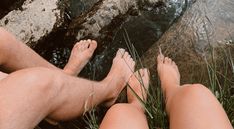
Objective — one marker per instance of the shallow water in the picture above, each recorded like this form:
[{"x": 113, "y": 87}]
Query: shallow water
[{"x": 143, "y": 29}]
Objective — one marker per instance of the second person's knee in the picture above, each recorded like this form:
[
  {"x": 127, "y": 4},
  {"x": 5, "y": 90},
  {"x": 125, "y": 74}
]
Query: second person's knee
[
  {"x": 191, "y": 92},
  {"x": 43, "y": 79},
  {"x": 195, "y": 90}
]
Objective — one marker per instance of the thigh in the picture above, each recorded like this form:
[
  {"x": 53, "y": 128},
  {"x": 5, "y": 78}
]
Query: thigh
[
  {"x": 195, "y": 107},
  {"x": 116, "y": 118}
]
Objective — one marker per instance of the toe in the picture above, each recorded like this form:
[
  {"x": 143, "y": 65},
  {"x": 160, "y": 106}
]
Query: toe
[
  {"x": 170, "y": 61},
  {"x": 79, "y": 45},
  {"x": 89, "y": 40},
  {"x": 174, "y": 64},
  {"x": 160, "y": 59},
  {"x": 86, "y": 44},
  {"x": 93, "y": 45},
  {"x": 167, "y": 60},
  {"x": 129, "y": 58},
  {"x": 126, "y": 55},
  {"x": 133, "y": 63},
  {"x": 76, "y": 45},
  {"x": 141, "y": 72},
  {"x": 146, "y": 75},
  {"x": 120, "y": 53},
  {"x": 83, "y": 45}
]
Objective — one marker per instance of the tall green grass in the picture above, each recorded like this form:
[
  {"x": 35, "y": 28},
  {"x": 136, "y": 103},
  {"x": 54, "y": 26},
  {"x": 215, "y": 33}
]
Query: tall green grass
[
  {"x": 220, "y": 72},
  {"x": 221, "y": 78}
]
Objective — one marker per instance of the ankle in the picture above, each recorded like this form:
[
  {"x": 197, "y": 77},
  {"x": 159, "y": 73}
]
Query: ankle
[
  {"x": 107, "y": 93},
  {"x": 69, "y": 71},
  {"x": 169, "y": 95}
]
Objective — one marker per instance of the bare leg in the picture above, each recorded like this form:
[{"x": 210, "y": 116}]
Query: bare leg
[
  {"x": 2, "y": 75},
  {"x": 80, "y": 55},
  {"x": 190, "y": 106},
  {"x": 130, "y": 115},
  {"x": 16, "y": 55},
  {"x": 29, "y": 95}
]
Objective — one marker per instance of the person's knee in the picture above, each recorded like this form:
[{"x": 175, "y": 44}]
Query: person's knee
[
  {"x": 195, "y": 90},
  {"x": 117, "y": 114},
  {"x": 188, "y": 93},
  {"x": 44, "y": 79},
  {"x": 117, "y": 108},
  {"x": 122, "y": 108}
]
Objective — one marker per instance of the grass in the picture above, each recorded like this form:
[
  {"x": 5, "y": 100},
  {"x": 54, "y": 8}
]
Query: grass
[
  {"x": 221, "y": 78},
  {"x": 220, "y": 72}
]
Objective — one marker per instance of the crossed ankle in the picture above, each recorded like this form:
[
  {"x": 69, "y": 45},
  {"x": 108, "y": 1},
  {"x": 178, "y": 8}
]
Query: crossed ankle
[{"x": 70, "y": 71}]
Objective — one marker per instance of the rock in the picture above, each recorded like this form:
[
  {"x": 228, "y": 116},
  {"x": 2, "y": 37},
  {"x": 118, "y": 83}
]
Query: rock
[
  {"x": 101, "y": 15},
  {"x": 207, "y": 23},
  {"x": 35, "y": 20},
  {"x": 81, "y": 6}
]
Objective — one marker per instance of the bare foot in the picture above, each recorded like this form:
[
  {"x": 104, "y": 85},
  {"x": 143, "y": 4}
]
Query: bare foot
[
  {"x": 169, "y": 75},
  {"x": 80, "y": 55},
  {"x": 121, "y": 70},
  {"x": 139, "y": 83}
]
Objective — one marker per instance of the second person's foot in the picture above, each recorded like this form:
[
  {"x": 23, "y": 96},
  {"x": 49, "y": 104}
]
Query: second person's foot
[
  {"x": 121, "y": 70},
  {"x": 139, "y": 84},
  {"x": 80, "y": 55},
  {"x": 169, "y": 75}
]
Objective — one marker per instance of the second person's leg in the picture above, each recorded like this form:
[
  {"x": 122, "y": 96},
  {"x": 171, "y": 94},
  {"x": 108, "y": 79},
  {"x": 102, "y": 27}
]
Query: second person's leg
[
  {"x": 130, "y": 115},
  {"x": 15, "y": 55},
  {"x": 29, "y": 95},
  {"x": 190, "y": 106}
]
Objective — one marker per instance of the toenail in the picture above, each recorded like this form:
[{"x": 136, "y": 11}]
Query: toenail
[{"x": 121, "y": 49}]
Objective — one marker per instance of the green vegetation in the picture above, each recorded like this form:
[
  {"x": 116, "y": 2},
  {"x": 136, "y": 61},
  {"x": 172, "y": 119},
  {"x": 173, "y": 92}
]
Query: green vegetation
[
  {"x": 219, "y": 64},
  {"x": 220, "y": 72}
]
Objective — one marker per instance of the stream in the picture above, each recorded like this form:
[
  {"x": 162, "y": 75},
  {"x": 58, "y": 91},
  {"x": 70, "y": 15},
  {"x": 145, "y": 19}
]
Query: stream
[{"x": 143, "y": 28}]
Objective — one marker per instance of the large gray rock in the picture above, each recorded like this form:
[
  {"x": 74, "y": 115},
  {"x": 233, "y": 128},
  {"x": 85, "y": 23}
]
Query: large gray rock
[
  {"x": 35, "y": 20},
  {"x": 101, "y": 15},
  {"x": 207, "y": 23}
]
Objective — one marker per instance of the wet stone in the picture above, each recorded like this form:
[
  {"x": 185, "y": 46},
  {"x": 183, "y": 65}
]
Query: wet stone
[{"x": 34, "y": 21}]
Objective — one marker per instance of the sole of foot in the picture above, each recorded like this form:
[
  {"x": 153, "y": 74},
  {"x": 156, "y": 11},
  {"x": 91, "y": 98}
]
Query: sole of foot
[
  {"x": 122, "y": 68},
  {"x": 80, "y": 55},
  {"x": 138, "y": 88}
]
